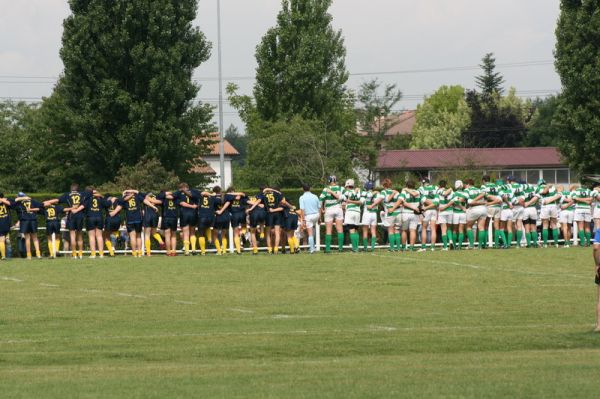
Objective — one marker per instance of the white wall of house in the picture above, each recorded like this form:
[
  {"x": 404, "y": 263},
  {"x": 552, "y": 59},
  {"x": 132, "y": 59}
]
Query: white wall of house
[{"x": 214, "y": 162}]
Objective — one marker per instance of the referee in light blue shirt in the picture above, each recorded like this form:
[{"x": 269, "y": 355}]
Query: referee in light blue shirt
[{"x": 310, "y": 207}]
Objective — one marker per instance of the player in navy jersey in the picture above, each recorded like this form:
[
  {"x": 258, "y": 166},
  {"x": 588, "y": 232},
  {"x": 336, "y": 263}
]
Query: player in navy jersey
[
  {"x": 151, "y": 214},
  {"x": 28, "y": 209},
  {"x": 131, "y": 202},
  {"x": 188, "y": 205},
  {"x": 112, "y": 224},
  {"x": 170, "y": 214},
  {"x": 222, "y": 219},
  {"x": 5, "y": 206},
  {"x": 239, "y": 202},
  {"x": 291, "y": 221},
  {"x": 53, "y": 213},
  {"x": 94, "y": 205},
  {"x": 258, "y": 216},
  {"x": 74, "y": 200},
  {"x": 206, "y": 218},
  {"x": 274, "y": 207}
]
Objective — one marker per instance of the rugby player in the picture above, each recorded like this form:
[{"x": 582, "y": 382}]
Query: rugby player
[
  {"x": 188, "y": 204},
  {"x": 52, "y": 214},
  {"x": 445, "y": 213},
  {"x": 74, "y": 200},
  {"x": 222, "y": 219},
  {"x": 112, "y": 223},
  {"x": 28, "y": 209},
  {"x": 582, "y": 197},
  {"x": 331, "y": 205},
  {"x": 274, "y": 204},
  {"x": 429, "y": 203},
  {"x": 352, "y": 199},
  {"x": 411, "y": 200},
  {"x": 549, "y": 199},
  {"x": 169, "y": 217},
  {"x": 5, "y": 224},
  {"x": 393, "y": 217},
  {"x": 131, "y": 201},
  {"x": 258, "y": 217},
  {"x": 566, "y": 214},
  {"x": 94, "y": 205},
  {"x": 459, "y": 214},
  {"x": 150, "y": 222},
  {"x": 371, "y": 200}
]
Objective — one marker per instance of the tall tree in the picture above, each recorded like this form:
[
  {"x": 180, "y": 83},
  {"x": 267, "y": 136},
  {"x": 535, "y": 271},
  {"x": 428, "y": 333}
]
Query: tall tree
[
  {"x": 373, "y": 116},
  {"x": 441, "y": 119},
  {"x": 542, "y": 131},
  {"x": 127, "y": 89},
  {"x": 578, "y": 64},
  {"x": 489, "y": 82}
]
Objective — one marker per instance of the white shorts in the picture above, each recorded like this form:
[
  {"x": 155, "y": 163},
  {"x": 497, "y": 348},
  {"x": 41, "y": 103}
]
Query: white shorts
[
  {"x": 493, "y": 212},
  {"x": 352, "y": 218},
  {"x": 518, "y": 212},
  {"x": 530, "y": 214},
  {"x": 410, "y": 221},
  {"x": 506, "y": 215},
  {"x": 445, "y": 218},
  {"x": 459, "y": 218},
  {"x": 596, "y": 213},
  {"x": 334, "y": 213},
  {"x": 430, "y": 215},
  {"x": 311, "y": 220},
  {"x": 476, "y": 213},
  {"x": 549, "y": 212},
  {"x": 582, "y": 215},
  {"x": 390, "y": 221},
  {"x": 566, "y": 217},
  {"x": 369, "y": 218}
]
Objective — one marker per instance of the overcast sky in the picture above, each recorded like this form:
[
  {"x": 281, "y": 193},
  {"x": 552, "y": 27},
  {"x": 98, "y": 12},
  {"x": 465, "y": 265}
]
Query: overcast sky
[{"x": 380, "y": 35}]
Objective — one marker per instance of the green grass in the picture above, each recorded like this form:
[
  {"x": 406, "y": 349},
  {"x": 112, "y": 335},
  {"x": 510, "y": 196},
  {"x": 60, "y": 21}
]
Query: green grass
[{"x": 471, "y": 324}]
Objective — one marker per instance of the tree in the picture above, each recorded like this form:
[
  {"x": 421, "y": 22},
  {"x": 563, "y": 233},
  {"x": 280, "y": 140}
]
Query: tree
[
  {"x": 301, "y": 66},
  {"x": 127, "y": 89},
  {"x": 541, "y": 130},
  {"x": 441, "y": 119},
  {"x": 147, "y": 175},
  {"x": 373, "y": 117},
  {"x": 240, "y": 142},
  {"x": 490, "y": 82},
  {"x": 577, "y": 62}
]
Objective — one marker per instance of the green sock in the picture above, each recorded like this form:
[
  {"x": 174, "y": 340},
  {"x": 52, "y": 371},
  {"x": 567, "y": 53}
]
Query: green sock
[
  {"x": 392, "y": 240},
  {"x": 355, "y": 240},
  {"x": 398, "y": 240},
  {"x": 519, "y": 237},
  {"x": 555, "y": 235},
  {"x": 528, "y": 238},
  {"x": 588, "y": 238},
  {"x": 509, "y": 240},
  {"x": 327, "y": 243},
  {"x": 545, "y": 236},
  {"x": 461, "y": 238},
  {"x": 373, "y": 243},
  {"x": 445, "y": 240},
  {"x": 481, "y": 239},
  {"x": 423, "y": 246},
  {"x": 340, "y": 241},
  {"x": 450, "y": 235},
  {"x": 365, "y": 243},
  {"x": 471, "y": 238},
  {"x": 496, "y": 238},
  {"x": 503, "y": 237},
  {"x": 581, "y": 235},
  {"x": 534, "y": 238}
]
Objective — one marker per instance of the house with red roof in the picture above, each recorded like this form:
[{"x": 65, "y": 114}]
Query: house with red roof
[
  {"x": 527, "y": 163},
  {"x": 213, "y": 163}
]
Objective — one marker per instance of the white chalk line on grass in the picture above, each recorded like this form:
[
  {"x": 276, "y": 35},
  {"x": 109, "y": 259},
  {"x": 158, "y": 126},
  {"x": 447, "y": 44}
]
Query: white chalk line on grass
[
  {"x": 49, "y": 285},
  {"x": 240, "y": 310},
  {"x": 13, "y": 279},
  {"x": 371, "y": 329}
]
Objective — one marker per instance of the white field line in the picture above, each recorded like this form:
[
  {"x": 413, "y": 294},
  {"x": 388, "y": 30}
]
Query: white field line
[
  {"x": 367, "y": 330},
  {"x": 185, "y": 302},
  {"x": 49, "y": 285},
  {"x": 16, "y": 280},
  {"x": 240, "y": 310}
]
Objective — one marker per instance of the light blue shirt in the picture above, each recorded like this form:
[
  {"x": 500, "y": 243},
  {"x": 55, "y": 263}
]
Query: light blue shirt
[{"x": 309, "y": 203}]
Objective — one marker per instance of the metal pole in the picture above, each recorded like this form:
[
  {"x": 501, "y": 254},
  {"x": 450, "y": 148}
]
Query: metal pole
[{"x": 221, "y": 138}]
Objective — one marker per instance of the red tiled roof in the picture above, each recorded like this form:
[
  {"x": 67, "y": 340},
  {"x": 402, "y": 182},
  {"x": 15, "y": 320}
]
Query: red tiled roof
[
  {"x": 470, "y": 157},
  {"x": 402, "y": 124},
  {"x": 214, "y": 146},
  {"x": 203, "y": 170}
]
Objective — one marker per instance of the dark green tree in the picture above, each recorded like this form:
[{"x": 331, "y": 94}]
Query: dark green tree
[
  {"x": 542, "y": 131},
  {"x": 578, "y": 64},
  {"x": 127, "y": 89},
  {"x": 240, "y": 142},
  {"x": 489, "y": 82}
]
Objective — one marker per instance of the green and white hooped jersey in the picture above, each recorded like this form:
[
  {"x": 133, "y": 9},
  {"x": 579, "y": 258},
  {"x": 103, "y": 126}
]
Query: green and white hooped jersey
[
  {"x": 551, "y": 193},
  {"x": 354, "y": 195},
  {"x": 390, "y": 204},
  {"x": 472, "y": 193},
  {"x": 411, "y": 200},
  {"x": 460, "y": 197},
  {"x": 444, "y": 200},
  {"x": 529, "y": 191},
  {"x": 566, "y": 197},
  {"x": 428, "y": 192},
  {"x": 491, "y": 189},
  {"x": 507, "y": 198},
  {"x": 582, "y": 193},
  {"x": 368, "y": 198},
  {"x": 328, "y": 199}
]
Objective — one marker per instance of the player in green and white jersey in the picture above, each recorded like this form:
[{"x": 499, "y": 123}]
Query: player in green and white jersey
[
  {"x": 549, "y": 199},
  {"x": 476, "y": 214},
  {"x": 518, "y": 209},
  {"x": 445, "y": 213},
  {"x": 459, "y": 218},
  {"x": 331, "y": 205},
  {"x": 353, "y": 202},
  {"x": 411, "y": 200},
  {"x": 530, "y": 214},
  {"x": 371, "y": 200},
  {"x": 505, "y": 232},
  {"x": 493, "y": 204},
  {"x": 566, "y": 212},
  {"x": 428, "y": 193},
  {"x": 393, "y": 219},
  {"x": 582, "y": 197}
]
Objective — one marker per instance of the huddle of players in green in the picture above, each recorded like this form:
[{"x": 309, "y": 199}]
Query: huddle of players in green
[
  {"x": 457, "y": 217},
  {"x": 461, "y": 214}
]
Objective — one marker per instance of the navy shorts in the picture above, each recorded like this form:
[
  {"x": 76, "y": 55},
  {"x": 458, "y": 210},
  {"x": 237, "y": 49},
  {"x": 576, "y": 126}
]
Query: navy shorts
[
  {"x": 137, "y": 227},
  {"x": 75, "y": 222},
  {"x": 113, "y": 224},
  {"x": 151, "y": 220},
  {"x": 222, "y": 222},
  {"x": 291, "y": 222},
  {"x": 258, "y": 217},
  {"x": 28, "y": 226},
  {"x": 238, "y": 219},
  {"x": 205, "y": 222},
  {"x": 53, "y": 228},
  {"x": 169, "y": 224},
  {"x": 94, "y": 223},
  {"x": 275, "y": 219},
  {"x": 188, "y": 219}
]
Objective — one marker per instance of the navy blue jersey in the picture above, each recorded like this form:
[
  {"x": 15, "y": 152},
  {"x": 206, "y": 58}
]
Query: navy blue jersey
[
  {"x": 272, "y": 200},
  {"x": 94, "y": 207},
  {"x": 133, "y": 208},
  {"x": 238, "y": 205},
  {"x": 169, "y": 206},
  {"x": 73, "y": 199},
  {"x": 24, "y": 209},
  {"x": 149, "y": 212},
  {"x": 5, "y": 215},
  {"x": 52, "y": 213},
  {"x": 290, "y": 212},
  {"x": 184, "y": 198},
  {"x": 220, "y": 202},
  {"x": 111, "y": 206},
  {"x": 207, "y": 206}
]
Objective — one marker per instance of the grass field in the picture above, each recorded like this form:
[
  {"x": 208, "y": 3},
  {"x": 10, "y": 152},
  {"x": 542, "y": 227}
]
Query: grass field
[{"x": 513, "y": 323}]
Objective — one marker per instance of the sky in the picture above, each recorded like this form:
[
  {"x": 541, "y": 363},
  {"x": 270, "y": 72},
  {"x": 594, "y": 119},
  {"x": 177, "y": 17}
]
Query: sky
[{"x": 418, "y": 45}]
